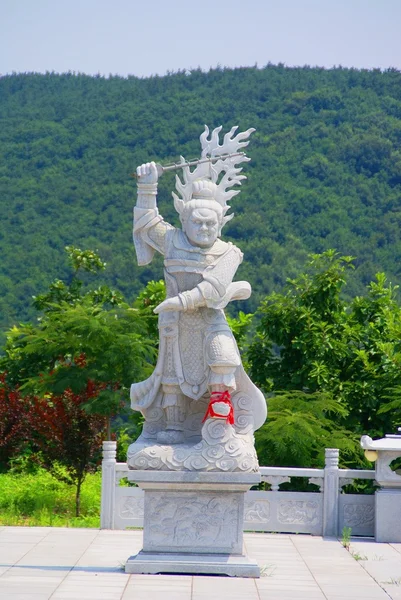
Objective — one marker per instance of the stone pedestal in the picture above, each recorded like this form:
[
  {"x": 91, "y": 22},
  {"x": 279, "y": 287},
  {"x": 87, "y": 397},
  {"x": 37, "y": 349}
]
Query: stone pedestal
[
  {"x": 388, "y": 499},
  {"x": 193, "y": 523},
  {"x": 388, "y": 516}
]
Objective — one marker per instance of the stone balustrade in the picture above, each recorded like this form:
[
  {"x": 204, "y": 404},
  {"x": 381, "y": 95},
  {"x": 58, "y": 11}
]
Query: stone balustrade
[{"x": 322, "y": 512}]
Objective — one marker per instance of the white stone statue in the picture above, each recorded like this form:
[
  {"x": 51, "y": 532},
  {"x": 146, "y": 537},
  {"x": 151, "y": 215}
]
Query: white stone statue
[{"x": 200, "y": 407}]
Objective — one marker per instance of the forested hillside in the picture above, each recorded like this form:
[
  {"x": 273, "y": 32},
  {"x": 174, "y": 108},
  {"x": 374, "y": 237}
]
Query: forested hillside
[{"x": 325, "y": 170}]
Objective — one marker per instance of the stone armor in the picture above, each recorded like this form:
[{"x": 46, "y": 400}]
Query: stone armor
[{"x": 197, "y": 347}]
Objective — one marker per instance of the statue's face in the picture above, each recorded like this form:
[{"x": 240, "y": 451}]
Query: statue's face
[{"x": 202, "y": 227}]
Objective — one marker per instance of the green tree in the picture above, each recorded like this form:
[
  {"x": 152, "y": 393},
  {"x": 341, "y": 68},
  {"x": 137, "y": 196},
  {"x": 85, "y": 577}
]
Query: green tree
[
  {"x": 81, "y": 337},
  {"x": 299, "y": 427},
  {"x": 310, "y": 341}
]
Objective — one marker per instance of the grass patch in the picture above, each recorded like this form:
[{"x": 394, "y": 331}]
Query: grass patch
[{"x": 38, "y": 499}]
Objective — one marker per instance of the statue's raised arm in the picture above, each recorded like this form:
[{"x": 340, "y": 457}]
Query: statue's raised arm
[
  {"x": 199, "y": 376},
  {"x": 149, "y": 228}
]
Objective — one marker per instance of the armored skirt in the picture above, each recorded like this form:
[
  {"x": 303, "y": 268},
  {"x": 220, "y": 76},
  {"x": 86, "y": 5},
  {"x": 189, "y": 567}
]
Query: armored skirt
[{"x": 197, "y": 348}]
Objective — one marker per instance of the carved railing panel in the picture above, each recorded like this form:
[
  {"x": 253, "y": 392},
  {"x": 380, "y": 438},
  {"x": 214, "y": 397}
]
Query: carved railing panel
[{"x": 358, "y": 512}]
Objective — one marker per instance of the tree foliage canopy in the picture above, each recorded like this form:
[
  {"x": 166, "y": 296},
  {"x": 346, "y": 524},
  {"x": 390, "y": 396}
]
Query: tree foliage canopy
[
  {"x": 325, "y": 170},
  {"x": 315, "y": 349},
  {"x": 82, "y": 338}
]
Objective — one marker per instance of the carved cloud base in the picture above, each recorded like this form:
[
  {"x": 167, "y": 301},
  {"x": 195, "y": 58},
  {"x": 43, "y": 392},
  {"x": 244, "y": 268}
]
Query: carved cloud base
[
  {"x": 193, "y": 523},
  {"x": 221, "y": 449}
]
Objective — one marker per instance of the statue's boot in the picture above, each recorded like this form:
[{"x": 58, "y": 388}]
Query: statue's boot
[{"x": 175, "y": 409}]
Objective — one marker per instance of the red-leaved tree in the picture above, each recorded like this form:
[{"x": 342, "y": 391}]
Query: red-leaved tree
[
  {"x": 14, "y": 423},
  {"x": 67, "y": 439},
  {"x": 59, "y": 433}
]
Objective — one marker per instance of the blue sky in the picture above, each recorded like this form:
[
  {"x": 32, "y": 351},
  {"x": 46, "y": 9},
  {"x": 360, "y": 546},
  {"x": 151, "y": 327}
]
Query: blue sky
[{"x": 144, "y": 38}]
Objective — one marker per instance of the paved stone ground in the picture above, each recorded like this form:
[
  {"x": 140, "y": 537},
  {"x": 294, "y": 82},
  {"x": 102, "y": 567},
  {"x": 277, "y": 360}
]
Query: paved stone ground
[{"x": 42, "y": 563}]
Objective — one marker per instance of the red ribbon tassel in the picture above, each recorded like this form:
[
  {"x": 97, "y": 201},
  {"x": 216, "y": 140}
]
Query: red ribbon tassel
[{"x": 220, "y": 397}]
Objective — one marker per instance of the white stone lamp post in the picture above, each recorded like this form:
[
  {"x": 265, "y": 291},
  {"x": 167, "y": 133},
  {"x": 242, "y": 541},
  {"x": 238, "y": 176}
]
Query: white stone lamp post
[{"x": 388, "y": 498}]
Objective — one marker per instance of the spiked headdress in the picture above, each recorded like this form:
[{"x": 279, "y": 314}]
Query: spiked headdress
[{"x": 209, "y": 184}]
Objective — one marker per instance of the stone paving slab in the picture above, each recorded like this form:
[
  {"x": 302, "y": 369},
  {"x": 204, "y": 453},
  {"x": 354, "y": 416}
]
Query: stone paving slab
[
  {"x": 382, "y": 562},
  {"x": 41, "y": 563}
]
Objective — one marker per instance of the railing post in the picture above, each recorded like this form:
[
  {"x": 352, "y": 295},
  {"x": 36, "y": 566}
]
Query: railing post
[
  {"x": 108, "y": 485},
  {"x": 330, "y": 498}
]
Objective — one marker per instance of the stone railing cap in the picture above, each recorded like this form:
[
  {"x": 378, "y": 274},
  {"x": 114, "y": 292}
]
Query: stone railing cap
[{"x": 389, "y": 442}]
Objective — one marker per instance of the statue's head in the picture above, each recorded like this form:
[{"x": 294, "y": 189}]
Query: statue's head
[
  {"x": 202, "y": 216},
  {"x": 204, "y": 193}
]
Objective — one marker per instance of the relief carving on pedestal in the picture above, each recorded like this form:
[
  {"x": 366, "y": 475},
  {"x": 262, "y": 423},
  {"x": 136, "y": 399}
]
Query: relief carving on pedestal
[{"x": 196, "y": 520}]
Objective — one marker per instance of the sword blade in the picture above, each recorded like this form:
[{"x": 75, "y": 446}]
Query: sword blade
[{"x": 192, "y": 163}]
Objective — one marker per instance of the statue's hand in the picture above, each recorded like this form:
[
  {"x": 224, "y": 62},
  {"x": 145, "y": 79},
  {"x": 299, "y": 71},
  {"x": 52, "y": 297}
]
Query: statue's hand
[
  {"x": 147, "y": 173},
  {"x": 169, "y": 304}
]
